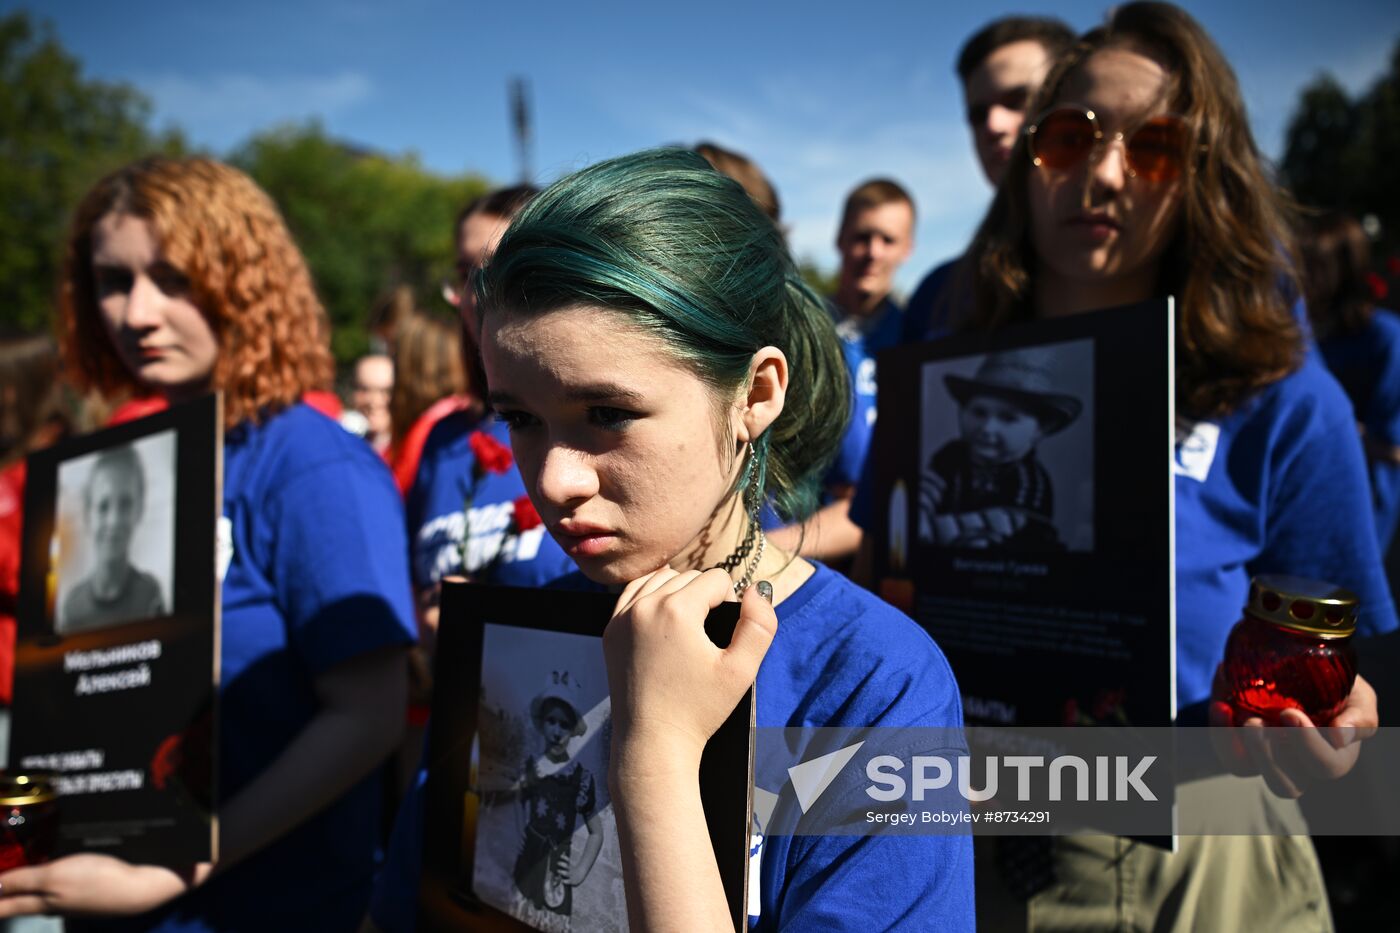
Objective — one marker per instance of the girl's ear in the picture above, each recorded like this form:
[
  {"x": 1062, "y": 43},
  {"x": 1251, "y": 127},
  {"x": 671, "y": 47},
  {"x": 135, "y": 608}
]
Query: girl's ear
[{"x": 767, "y": 393}]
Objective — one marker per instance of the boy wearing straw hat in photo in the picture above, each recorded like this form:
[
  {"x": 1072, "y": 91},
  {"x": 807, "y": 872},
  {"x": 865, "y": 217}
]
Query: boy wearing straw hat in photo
[{"x": 987, "y": 488}]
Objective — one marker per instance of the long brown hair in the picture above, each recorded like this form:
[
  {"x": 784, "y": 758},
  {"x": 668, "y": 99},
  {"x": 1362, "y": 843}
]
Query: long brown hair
[
  {"x": 427, "y": 368},
  {"x": 1336, "y": 258},
  {"x": 1230, "y": 261},
  {"x": 246, "y": 275}
]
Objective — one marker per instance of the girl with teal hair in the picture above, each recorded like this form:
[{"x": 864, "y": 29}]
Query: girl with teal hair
[{"x": 664, "y": 372}]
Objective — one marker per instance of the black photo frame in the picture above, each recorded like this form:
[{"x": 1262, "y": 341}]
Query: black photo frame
[
  {"x": 454, "y": 798},
  {"x": 122, "y": 710},
  {"x": 1079, "y": 634}
]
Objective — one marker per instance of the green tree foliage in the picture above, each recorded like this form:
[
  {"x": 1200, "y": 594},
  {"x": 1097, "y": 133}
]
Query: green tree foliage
[
  {"x": 1319, "y": 138},
  {"x": 59, "y": 133},
  {"x": 365, "y": 222},
  {"x": 1378, "y": 136},
  {"x": 1341, "y": 153}
]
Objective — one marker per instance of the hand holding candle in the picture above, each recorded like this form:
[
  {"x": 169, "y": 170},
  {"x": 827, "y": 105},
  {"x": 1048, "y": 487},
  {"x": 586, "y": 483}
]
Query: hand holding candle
[{"x": 1290, "y": 662}]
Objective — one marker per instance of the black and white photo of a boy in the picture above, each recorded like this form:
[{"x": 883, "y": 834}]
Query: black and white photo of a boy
[
  {"x": 115, "y": 590},
  {"x": 555, "y": 792},
  {"x": 987, "y": 488}
]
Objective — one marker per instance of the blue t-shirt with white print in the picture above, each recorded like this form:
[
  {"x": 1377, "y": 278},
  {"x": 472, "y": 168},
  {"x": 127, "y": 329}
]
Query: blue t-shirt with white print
[
  {"x": 841, "y": 657},
  {"x": 449, "y": 503},
  {"x": 313, "y": 559}
]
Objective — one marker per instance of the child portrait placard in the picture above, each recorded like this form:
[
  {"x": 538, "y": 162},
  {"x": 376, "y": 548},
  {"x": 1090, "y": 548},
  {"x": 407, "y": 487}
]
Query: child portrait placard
[
  {"x": 1028, "y": 522},
  {"x": 519, "y": 827},
  {"x": 116, "y": 656}
]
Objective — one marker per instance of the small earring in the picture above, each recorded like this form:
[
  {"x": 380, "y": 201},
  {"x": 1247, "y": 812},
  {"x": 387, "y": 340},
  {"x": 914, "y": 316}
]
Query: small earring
[{"x": 753, "y": 484}]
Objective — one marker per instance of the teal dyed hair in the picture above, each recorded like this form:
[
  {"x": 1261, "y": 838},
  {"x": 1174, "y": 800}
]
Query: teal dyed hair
[{"x": 686, "y": 255}]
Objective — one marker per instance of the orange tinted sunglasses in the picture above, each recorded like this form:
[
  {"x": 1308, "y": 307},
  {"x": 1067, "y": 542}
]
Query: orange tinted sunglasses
[{"x": 1065, "y": 136}]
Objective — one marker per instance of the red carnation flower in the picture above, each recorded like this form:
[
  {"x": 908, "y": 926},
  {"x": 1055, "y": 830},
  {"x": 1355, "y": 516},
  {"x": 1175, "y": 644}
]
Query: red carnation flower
[
  {"x": 525, "y": 515},
  {"x": 490, "y": 453}
]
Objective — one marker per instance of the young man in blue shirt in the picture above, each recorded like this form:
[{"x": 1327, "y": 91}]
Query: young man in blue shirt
[{"x": 876, "y": 237}]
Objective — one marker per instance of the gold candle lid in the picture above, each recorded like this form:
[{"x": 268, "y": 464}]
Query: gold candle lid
[
  {"x": 17, "y": 790},
  {"x": 1312, "y": 607}
]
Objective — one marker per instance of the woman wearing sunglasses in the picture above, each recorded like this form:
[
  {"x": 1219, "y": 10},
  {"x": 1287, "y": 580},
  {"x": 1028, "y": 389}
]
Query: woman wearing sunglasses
[
  {"x": 1139, "y": 178},
  {"x": 664, "y": 372}
]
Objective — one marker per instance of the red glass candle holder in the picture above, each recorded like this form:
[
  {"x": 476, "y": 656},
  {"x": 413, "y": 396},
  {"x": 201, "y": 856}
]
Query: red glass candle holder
[
  {"x": 1292, "y": 649},
  {"x": 28, "y": 820}
]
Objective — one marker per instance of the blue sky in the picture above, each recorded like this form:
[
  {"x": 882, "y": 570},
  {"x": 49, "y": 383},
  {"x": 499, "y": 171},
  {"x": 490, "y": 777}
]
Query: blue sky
[{"x": 821, "y": 95}]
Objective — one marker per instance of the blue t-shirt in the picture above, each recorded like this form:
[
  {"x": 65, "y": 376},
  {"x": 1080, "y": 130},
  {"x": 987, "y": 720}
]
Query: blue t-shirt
[
  {"x": 316, "y": 574},
  {"x": 439, "y": 517},
  {"x": 1367, "y": 364},
  {"x": 860, "y": 341},
  {"x": 841, "y": 657}
]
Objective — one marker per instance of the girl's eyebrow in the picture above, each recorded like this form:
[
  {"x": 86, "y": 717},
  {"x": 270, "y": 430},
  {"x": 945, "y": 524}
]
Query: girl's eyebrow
[
  {"x": 596, "y": 392},
  {"x": 604, "y": 392}
]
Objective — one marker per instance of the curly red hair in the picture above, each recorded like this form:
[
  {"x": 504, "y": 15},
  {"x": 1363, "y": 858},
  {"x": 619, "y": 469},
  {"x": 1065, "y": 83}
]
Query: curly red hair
[{"x": 223, "y": 232}]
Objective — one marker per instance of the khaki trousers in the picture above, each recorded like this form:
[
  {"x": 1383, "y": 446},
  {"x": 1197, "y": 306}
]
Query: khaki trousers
[{"x": 1231, "y": 884}]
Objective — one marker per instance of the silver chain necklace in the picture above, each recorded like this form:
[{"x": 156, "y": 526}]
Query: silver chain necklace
[{"x": 754, "y": 541}]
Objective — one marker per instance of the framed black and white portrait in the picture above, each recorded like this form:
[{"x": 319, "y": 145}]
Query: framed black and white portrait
[
  {"x": 115, "y": 554},
  {"x": 546, "y": 843},
  {"x": 1007, "y": 448},
  {"x": 519, "y": 831},
  {"x": 1024, "y": 512},
  {"x": 117, "y": 648}
]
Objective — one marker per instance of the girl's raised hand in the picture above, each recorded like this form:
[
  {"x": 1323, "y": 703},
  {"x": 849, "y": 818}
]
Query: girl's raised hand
[{"x": 671, "y": 686}]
